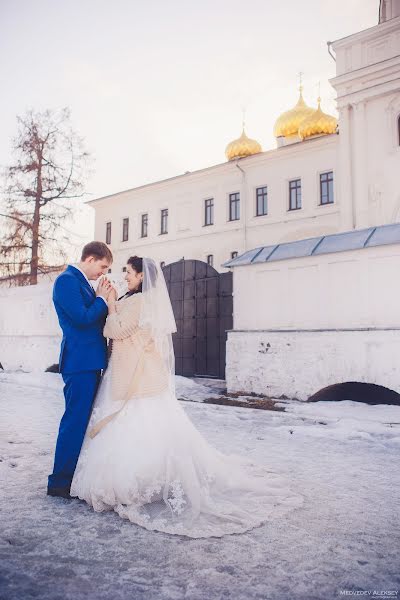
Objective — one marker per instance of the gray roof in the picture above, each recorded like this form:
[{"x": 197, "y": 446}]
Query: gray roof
[{"x": 326, "y": 244}]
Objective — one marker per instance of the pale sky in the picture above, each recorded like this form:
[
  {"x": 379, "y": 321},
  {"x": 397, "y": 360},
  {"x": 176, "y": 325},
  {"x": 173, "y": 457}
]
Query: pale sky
[{"x": 157, "y": 87}]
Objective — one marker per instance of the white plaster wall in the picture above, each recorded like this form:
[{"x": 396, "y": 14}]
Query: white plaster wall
[
  {"x": 368, "y": 47},
  {"x": 29, "y": 332},
  {"x": 358, "y": 288},
  {"x": 367, "y": 83},
  {"x": 184, "y": 197},
  {"x": 351, "y": 301},
  {"x": 298, "y": 364},
  {"x": 383, "y": 158}
]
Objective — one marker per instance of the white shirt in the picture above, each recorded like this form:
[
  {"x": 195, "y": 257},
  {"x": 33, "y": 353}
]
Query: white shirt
[{"x": 87, "y": 279}]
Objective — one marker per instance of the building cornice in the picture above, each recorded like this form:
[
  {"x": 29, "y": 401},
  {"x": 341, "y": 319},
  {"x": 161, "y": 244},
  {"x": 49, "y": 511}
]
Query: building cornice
[
  {"x": 389, "y": 64},
  {"x": 367, "y": 34}
]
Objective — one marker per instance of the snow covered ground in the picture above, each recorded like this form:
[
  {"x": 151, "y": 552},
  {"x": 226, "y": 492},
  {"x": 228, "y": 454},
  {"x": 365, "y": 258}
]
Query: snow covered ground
[{"x": 342, "y": 457}]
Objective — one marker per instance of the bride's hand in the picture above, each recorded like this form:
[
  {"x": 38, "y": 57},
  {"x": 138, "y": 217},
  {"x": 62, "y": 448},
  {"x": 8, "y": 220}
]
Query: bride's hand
[{"x": 112, "y": 295}]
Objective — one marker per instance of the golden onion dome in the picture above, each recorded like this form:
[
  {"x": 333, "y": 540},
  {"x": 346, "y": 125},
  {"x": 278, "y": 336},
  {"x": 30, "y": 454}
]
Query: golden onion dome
[
  {"x": 288, "y": 123},
  {"x": 319, "y": 123},
  {"x": 242, "y": 147}
]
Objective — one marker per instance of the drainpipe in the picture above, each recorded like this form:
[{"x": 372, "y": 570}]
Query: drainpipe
[
  {"x": 329, "y": 44},
  {"x": 244, "y": 203}
]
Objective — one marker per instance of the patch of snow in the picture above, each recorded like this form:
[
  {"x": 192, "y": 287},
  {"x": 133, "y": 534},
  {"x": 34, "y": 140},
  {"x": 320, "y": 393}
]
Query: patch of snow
[
  {"x": 342, "y": 457},
  {"x": 187, "y": 389}
]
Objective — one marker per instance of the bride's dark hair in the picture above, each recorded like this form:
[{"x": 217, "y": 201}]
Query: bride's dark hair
[{"x": 136, "y": 262}]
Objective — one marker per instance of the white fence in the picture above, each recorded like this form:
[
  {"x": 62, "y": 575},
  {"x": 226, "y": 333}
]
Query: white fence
[{"x": 29, "y": 331}]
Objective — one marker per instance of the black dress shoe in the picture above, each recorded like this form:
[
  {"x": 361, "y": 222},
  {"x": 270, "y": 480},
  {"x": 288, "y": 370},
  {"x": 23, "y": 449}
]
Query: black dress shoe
[{"x": 59, "y": 491}]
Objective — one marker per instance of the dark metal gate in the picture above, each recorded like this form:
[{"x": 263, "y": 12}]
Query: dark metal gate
[{"x": 203, "y": 307}]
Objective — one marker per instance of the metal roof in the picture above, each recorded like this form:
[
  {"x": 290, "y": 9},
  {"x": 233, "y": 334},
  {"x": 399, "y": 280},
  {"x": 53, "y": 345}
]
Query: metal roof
[{"x": 326, "y": 244}]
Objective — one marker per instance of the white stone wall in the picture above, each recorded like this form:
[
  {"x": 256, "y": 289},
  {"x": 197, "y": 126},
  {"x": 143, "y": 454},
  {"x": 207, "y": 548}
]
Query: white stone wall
[
  {"x": 298, "y": 364},
  {"x": 351, "y": 301},
  {"x": 29, "y": 332},
  {"x": 353, "y": 289}
]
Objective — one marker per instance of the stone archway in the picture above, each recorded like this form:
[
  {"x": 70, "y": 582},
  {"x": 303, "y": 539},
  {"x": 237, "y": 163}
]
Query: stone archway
[{"x": 369, "y": 393}]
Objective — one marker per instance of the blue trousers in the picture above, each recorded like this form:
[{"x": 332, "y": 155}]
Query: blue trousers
[{"x": 79, "y": 393}]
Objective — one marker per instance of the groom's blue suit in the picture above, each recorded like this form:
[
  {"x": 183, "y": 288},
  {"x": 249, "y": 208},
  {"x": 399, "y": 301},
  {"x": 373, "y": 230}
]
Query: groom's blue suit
[{"x": 83, "y": 354}]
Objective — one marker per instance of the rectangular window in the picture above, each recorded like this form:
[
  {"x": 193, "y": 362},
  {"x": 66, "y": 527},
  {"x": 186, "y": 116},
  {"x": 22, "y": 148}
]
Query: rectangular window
[
  {"x": 125, "y": 230},
  {"x": 164, "y": 220},
  {"x": 108, "y": 232},
  {"x": 295, "y": 194},
  {"x": 145, "y": 221},
  {"x": 210, "y": 260},
  {"x": 209, "y": 211},
  {"x": 234, "y": 206},
  {"x": 326, "y": 188},
  {"x": 261, "y": 201},
  {"x": 124, "y": 269},
  {"x": 234, "y": 254}
]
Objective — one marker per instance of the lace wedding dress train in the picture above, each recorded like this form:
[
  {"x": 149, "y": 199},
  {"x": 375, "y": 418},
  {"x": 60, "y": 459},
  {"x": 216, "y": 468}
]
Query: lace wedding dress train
[{"x": 152, "y": 466}]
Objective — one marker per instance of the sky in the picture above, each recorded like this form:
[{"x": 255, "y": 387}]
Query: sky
[{"x": 157, "y": 87}]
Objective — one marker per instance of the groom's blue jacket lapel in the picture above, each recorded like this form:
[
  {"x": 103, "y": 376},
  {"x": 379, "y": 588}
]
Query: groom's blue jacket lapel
[
  {"x": 81, "y": 316},
  {"x": 81, "y": 277}
]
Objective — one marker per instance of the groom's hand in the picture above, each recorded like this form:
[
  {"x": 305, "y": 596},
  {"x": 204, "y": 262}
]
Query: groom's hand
[{"x": 103, "y": 288}]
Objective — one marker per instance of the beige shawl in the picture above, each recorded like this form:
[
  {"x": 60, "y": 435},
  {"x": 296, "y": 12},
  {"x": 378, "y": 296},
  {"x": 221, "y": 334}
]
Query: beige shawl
[{"x": 137, "y": 369}]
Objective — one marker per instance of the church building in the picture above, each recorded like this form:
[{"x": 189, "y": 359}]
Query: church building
[{"x": 326, "y": 175}]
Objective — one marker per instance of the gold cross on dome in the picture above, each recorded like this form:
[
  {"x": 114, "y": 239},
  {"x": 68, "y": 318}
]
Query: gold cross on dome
[
  {"x": 300, "y": 74},
  {"x": 243, "y": 117}
]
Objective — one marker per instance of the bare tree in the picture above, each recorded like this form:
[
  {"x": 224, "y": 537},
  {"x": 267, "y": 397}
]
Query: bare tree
[
  {"x": 14, "y": 250},
  {"x": 47, "y": 174}
]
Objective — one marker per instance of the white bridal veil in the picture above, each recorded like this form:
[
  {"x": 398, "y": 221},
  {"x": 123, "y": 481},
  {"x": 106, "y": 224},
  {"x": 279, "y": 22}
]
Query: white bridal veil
[{"x": 157, "y": 316}]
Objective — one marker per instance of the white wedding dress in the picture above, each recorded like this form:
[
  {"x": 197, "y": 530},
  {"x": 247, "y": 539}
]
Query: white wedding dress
[{"x": 152, "y": 466}]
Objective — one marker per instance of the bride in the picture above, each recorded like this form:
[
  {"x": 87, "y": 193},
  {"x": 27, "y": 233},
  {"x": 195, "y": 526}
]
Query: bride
[{"x": 142, "y": 457}]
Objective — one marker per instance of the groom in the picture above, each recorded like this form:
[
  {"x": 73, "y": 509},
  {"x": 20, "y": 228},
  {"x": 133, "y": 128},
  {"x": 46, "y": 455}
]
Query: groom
[{"x": 81, "y": 313}]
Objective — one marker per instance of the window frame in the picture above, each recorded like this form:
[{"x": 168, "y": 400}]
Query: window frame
[
  {"x": 234, "y": 201},
  {"x": 164, "y": 221},
  {"x": 144, "y": 225},
  {"x": 262, "y": 214},
  {"x": 108, "y": 232},
  {"x": 398, "y": 130},
  {"x": 211, "y": 208},
  {"x": 125, "y": 222},
  {"x": 299, "y": 187},
  {"x": 321, "y": 175},
  {"x": 210, "y": 262}
]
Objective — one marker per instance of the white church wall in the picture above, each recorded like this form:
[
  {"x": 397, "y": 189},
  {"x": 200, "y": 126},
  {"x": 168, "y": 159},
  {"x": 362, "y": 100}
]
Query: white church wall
[
  {"x": 184, "y": 197},
  {"x": 369, "y": 47},
  {"x": 383, "y": 158},
  {"x": 367, "y": 83},
  {"x": 328, "y": 319}
]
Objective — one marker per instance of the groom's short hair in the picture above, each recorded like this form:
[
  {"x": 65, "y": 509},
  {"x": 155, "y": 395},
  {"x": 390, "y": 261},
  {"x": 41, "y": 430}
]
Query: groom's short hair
[{"x": 98, "y": 250}]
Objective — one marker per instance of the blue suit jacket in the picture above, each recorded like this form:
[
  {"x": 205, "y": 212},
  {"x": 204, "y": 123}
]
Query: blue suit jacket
[{"x": 81, "y": 316}]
